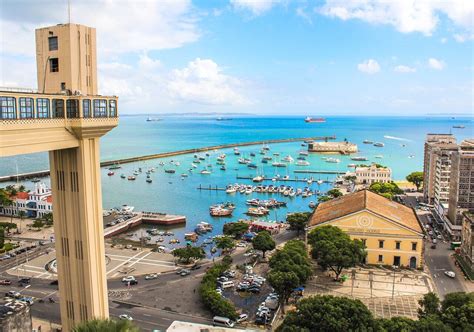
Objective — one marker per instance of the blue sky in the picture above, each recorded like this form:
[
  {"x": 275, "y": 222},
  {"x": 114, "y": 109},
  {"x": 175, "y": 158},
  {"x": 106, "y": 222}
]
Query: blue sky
[{"x": 288, "y": 57}]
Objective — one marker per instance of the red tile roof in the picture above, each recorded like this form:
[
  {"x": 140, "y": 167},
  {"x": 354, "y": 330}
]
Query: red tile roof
[
  {"x": 366, "y": 200},
  {"x": 21, "y": 195}
]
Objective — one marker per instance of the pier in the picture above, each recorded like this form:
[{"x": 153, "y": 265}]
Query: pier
[
  {"x": 304, "y": 171},
  {"x": 108, "y": 163},
  {"x": 144, "y": 218},
  {"x": 279, "y": 179},
  {"x": 211, "y": 188}
]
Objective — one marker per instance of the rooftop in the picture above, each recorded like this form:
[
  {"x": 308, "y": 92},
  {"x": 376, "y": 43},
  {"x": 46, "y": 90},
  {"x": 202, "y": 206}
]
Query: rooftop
[{"x": 366, "y": 200}]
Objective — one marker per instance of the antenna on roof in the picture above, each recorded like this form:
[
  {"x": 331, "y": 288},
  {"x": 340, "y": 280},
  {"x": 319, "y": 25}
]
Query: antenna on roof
[{"x": 69, "y": 11}]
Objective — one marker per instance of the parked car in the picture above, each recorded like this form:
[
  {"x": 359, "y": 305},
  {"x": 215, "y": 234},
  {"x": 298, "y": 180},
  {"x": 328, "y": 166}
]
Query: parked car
[
  {"x": 27, "y": 299},
  {"x": 450, "y": 274},
  {"x": 242, "y": 318},
  {"x": 24, "y": 281},
  {"x": 126, "y": 317},
  {"x": 151, "y": 276},
  {"x": 195, "y": 267},
  {"x": 133, "y": 282},
  {"x": 439, "y": 237},
  {"x": 5, "y": 282},
  {"x": 13, "y": 294},
  {"x": 184, "y": 272},
  {"x": 128, "y": 278}
]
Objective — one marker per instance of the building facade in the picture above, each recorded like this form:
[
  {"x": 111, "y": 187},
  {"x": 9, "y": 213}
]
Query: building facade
[
  {"x": 461, "y": 192},
  {"x": 66, "y": 118},
  {"x": 390, "y": 231},
  {"x": 373, "y": 173},
  {"x": 467, "y": 238},
  {"x": 35, "y": 204},
  {"x": 15, "y": 316},
  {"x": 433, "y": 143}
]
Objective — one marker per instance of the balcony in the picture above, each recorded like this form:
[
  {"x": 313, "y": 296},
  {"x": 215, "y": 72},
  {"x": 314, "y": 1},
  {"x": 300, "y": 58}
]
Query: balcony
[{"x": 33, "y": 122}]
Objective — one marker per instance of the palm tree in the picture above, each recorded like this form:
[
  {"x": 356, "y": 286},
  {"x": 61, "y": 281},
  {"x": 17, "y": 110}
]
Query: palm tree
[
  {"x": 21, "y": 214},
  {"x": 106, "y": 325}
]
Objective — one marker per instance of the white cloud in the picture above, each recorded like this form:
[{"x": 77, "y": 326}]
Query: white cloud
[
  {"x": 301, "y": 12},
  {"x": 404, "y": 69},
  {"x": 461, "y": 38},
  {"x": 443, "y": 40},
  {"x": 121, "y": 27},
  {"x": 436, "y": 64},
  {"x": 369, "y": 66},
  {"x": 406, "y": 16},
  {"x": 203, "y": 82},
  {"x": 256, "y": 7}
]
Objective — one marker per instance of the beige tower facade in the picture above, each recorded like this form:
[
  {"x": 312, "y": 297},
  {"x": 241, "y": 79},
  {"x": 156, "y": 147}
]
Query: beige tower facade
[
  {"x": 68, "y": 125},
  {"x": 66, "y": 59}
]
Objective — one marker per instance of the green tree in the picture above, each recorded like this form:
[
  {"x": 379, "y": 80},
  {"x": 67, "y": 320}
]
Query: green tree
[
  {"x": 324, "y": 198},
  {"x": 429, "y": 305},
  {"x": 235, "y": 229},
  {"x": 283, "y": 283},
  {"x": 457, "y": 300},
  {"x": 334, "y": 193},
  {"x": 264, "y": 242},
  {"x": 37, "y": 223},
  {"x": 47, "y": 219},
  {"x": 106, "y": 325},
  {"x": 298, "y": 221},
  {"x": 21, "y": 214},
  {"x": 430, "y": 324},
  {"x": 227, "y": 260},
  {"x": 397, "y": 324},
  {"x": 386, "y": 189},
  {"x": 333, "y": 249},
  {"x": 328, "y": 313},
  {"x": 416, "y": 178},
  {"x": 293, "y": 258},
  {"x": 225, "y": 243},
  {"x": 2, "y": 237},
  {"x": 188, "y": 253}
]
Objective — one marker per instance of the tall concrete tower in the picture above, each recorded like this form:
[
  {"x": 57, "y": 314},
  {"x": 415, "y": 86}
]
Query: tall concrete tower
[
  {"x": 68, "y": 124},
  {"x": 66, "y": 59}
]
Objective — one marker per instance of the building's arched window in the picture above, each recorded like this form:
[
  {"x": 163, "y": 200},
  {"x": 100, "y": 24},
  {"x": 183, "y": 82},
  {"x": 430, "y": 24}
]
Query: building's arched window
[
  {"x": 26, "y": 107},
  {"x": 7, "y": 108},
  {"x": 42, "y": 108}
]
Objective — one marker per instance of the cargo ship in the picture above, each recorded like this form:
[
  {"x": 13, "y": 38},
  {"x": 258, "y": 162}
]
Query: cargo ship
[{"x": 310, "y": 119}]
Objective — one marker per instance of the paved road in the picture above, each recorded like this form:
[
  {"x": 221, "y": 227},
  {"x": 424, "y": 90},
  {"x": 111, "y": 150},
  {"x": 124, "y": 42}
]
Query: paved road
[
  {"x": 439, "y": 260},
  {"x": 147, "y": 318}
]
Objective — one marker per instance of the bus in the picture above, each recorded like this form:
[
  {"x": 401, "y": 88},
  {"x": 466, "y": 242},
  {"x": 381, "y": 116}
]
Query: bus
[{"x": 455, "y": 244}]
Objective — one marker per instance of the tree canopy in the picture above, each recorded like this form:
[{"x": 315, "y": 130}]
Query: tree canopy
[
  {"x": 224, "y": 243},
  {"x": 386, "y": 189},
  {"x": 188, "y": 253},
  {"x": 333, "y": 249},
  {"x": 235, "y": 229},
  {"x": 298, "y": 221},
  {"x": 264, "y": 242},
  {"x": 284, "y": 283},
  {"x": 328, "y": 313},
  {"x": 416, "y": 178},
  {"x": 292, "y": 258}
]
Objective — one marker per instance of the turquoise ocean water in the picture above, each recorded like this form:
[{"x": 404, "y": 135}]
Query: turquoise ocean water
[{"x": 403, "y": 152}]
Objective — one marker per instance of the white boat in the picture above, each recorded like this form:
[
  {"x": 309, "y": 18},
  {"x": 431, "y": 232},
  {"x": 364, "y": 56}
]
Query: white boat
[
  {"x": 319, "y": 181},
  {"x": 288, "y": 159},
  {"x": 333, "y": 160},
  {"x": 205, "y": 172},
  {"x": 230, "y": 190},
  {"x": 352, "y": 165},
  {"x": 379, "y": 156},
  {"x": 303, "y": 153},
  {"x": 379, "y": 144},
  {"x": 193, "y": 165},
  {"x": 278, "y": 164},
  {"x": 258, "y": 178},
  {"x": 302, "y": 163}
]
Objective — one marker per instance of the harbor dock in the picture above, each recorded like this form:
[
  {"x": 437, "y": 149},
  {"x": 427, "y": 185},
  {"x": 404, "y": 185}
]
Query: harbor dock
[
  {"x": 307, "y": 171},
  {"x": 144, "y": 218},
  {"x": 279, "y": 180},
  {"x": 108, "y": 163}
]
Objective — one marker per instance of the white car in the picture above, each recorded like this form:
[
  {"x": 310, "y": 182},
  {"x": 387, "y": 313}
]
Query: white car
[
  {"x": 128, "y": 279},
  {"x": 125, "y": 317},
  {"x": 450, "y": 274},
  {"x": 242, "y": 318},
  {"x": 151, "y": 276}
]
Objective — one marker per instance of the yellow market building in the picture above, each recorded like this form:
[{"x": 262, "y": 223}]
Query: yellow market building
[{"x": 390, "y": 231}]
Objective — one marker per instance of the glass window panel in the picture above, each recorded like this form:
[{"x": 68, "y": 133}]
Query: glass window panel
[
  {"x": 86, "y": 108},
  {"x": 100, "y": 108},
  {"x": 42, "y": 108},
  {"x": 26, "y": 108},
  {"x": 7, "y": 108},
  {"x": 58, "y": 108}
]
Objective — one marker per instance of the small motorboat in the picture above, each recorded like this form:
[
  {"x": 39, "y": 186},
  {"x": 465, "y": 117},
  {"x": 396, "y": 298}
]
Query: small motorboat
[{"x": 110, "y": 173}]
